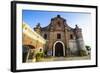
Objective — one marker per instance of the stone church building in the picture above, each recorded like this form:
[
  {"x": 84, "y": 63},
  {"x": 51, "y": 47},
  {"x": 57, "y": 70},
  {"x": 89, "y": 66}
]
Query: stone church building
[{"x": 61, "y": 39}]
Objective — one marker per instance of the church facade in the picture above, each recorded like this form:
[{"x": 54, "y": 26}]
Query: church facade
[{"x": 61, "y": 39}]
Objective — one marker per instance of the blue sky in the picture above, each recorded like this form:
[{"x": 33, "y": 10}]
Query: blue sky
[
  {"x": 32, "y": 17},
  {"x": 83, "y": 20}
]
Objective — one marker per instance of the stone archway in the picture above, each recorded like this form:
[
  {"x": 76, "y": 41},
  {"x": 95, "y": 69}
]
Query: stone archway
[{"x": 59, "y": 49}]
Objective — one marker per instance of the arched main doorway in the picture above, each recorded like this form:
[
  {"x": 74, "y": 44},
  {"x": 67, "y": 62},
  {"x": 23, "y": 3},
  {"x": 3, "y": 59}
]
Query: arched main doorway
[{"x": 58, "y": 49}]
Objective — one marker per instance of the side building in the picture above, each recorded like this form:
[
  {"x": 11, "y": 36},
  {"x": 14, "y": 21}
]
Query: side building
[{"x": 32, "y": 43}]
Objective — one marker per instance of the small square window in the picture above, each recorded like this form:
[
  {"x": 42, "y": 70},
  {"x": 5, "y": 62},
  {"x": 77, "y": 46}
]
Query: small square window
[
  {"x": 45, "y": 36},
  {"x": 71, "y": 36},
  {"x": 58, "y": 36}
]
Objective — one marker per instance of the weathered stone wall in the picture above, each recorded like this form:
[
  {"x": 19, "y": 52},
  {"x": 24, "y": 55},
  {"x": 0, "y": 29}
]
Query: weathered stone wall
[
  {"x": 58, "y": 25},
  {"x": 73, "y": 47}
]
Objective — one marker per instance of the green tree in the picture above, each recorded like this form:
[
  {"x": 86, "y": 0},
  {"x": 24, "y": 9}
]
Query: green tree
[
  {"x": 88, "y": 48},
  {"x": 39, "y": 56},
  {"x": 82, "y": 53}
]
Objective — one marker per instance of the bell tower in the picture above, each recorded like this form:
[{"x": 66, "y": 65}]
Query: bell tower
[
  {"x": 80, "y": 41},
  {"x": 38, "y": 28}
]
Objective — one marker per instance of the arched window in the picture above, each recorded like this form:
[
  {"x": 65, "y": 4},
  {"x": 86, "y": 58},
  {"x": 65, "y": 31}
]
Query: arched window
[{"x": 45, "y": 36}]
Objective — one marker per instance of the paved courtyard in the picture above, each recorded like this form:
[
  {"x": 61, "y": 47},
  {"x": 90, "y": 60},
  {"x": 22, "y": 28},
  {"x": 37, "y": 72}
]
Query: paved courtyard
[{"x": 65, "y": 58}]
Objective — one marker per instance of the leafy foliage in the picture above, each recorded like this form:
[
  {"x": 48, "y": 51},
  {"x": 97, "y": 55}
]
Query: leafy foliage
[
  {"x": 39, "y": 56},
  {"x": 88, "y": 47},
  {"x": 82, "y": 53}
]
